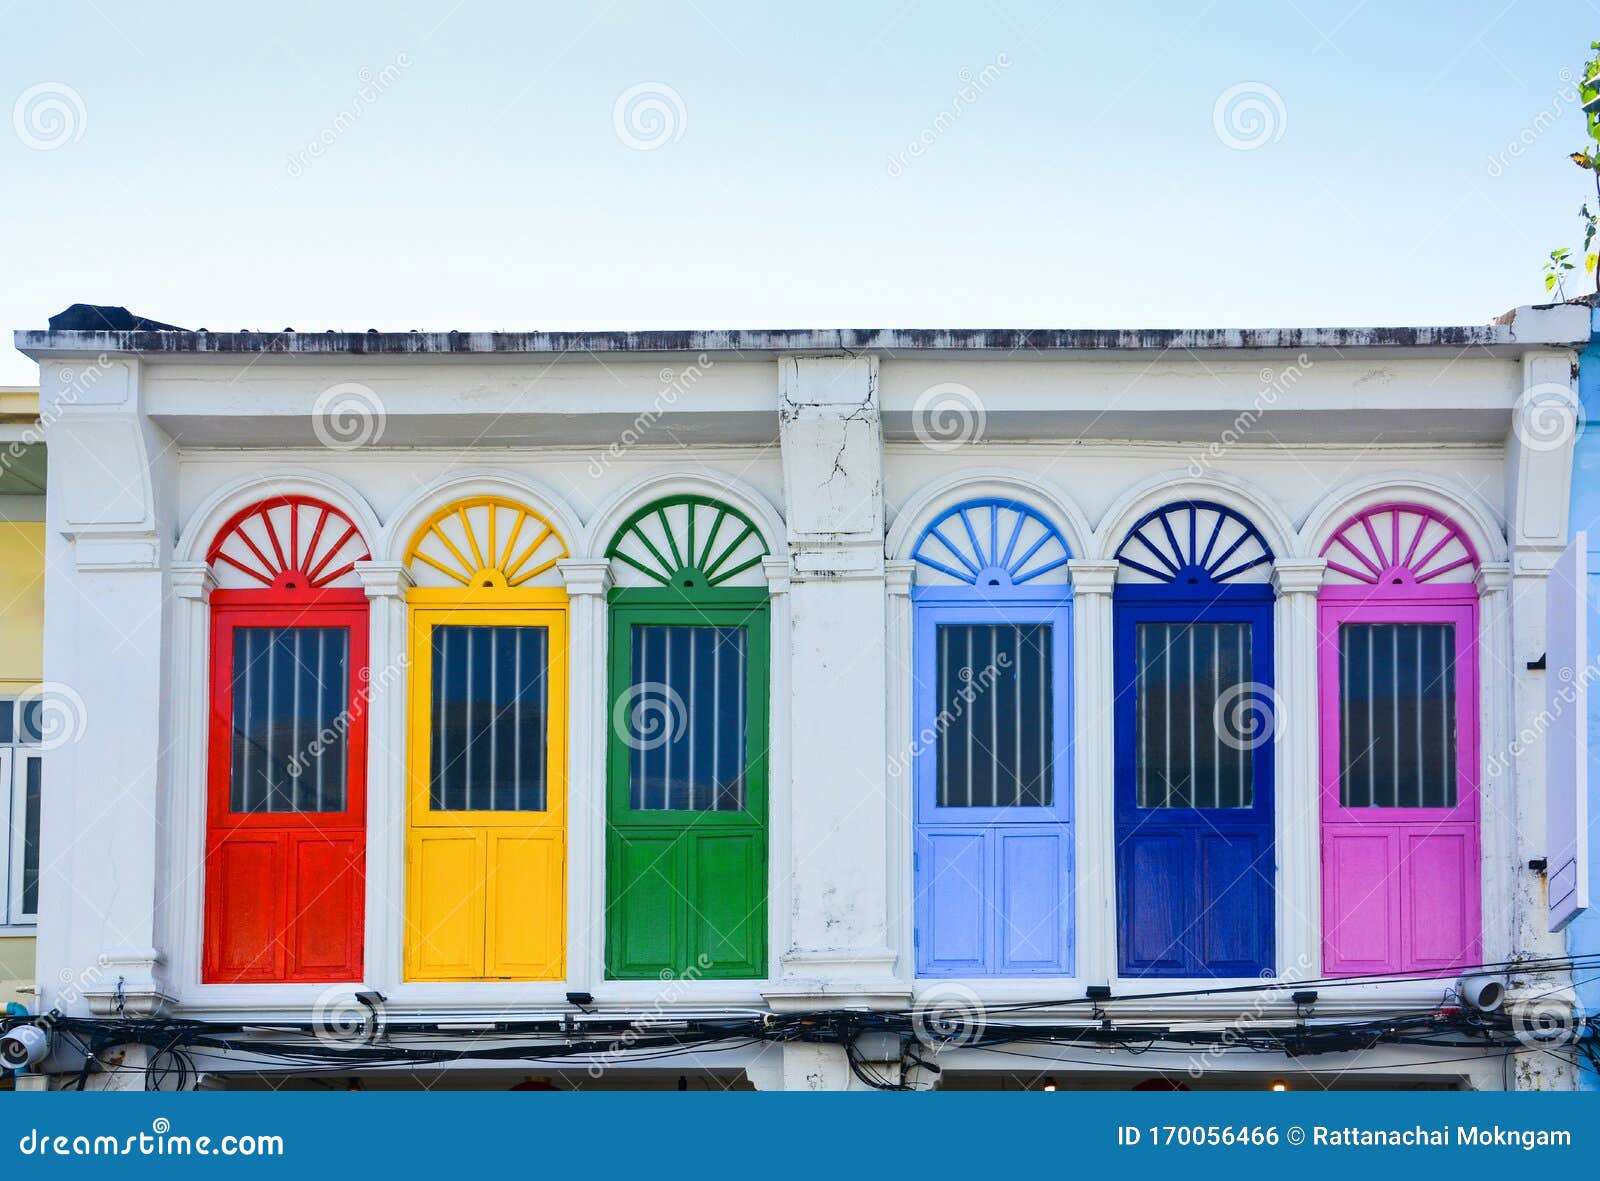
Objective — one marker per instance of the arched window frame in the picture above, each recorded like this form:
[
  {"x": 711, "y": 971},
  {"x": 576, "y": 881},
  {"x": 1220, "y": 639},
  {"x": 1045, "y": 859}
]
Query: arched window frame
[
  {"x": 1009, "y": 563},
  {"x": 686, "y": 559},
  {"x": 485, "y": 888},
  {"x": 1196, "y": 580},
  {"x": 284, "y": 896},
  {"x": 1389, "y": 574}
]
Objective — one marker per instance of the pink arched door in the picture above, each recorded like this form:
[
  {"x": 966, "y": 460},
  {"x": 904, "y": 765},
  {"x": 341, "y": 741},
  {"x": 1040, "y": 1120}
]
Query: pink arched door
[{"x": 1398, "y": 672}]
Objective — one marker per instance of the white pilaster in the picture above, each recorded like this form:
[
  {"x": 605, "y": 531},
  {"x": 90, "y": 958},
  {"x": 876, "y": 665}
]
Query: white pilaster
[
  {"x": 587, "y": 580},
  {"x": 1497, "y": 805},
  {"x": 180, "y": 924},
  {"x": 1092, "y": 585},
  {"x": 1295, "y": 721},
  {"x": 389, "y": 661},
  {"x": 899, "y": 784}
]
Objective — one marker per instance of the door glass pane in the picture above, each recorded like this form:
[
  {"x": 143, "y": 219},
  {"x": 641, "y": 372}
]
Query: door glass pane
[
  {"x": 291, "y": 692},
  {"x": 684, "y": 719},
  {"x": 1397, "y": 715},
  {"x": 995, "y": 720},
  {"x": 31, "y": 802},
  {"x": 1196, "y": 726},
  {"x": 490, "y": 702}
]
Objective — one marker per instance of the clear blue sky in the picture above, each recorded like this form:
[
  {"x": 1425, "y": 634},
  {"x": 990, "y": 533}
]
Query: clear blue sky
[{"x": 488, "y": 186}]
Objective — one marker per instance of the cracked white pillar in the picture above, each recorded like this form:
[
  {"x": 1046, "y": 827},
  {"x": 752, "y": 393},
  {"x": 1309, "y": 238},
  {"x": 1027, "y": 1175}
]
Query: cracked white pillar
[{"x": 839, "y": 942}]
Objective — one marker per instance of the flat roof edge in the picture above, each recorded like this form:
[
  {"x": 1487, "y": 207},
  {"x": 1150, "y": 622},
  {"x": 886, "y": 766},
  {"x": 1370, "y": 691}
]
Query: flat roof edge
[{"x": 1560, "y": 326}]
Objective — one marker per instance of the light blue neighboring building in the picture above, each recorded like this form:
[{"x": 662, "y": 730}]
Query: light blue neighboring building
[{"x": 1583, "y": 933}]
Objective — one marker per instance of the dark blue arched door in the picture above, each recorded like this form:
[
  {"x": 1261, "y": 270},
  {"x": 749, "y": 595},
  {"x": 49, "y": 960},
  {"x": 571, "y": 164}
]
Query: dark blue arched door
[{"x": 1194, "y": 717}]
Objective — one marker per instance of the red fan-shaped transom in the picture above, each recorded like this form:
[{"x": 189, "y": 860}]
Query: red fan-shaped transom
[
  {"x": 1400, "y": 545},
  {"x": 288, "y": 543}
]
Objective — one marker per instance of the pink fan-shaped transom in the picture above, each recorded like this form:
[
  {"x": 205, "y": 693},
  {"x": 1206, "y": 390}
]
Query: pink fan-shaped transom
[
  {"x": 290, "y": 543},
  {"x": 1390, "y": 546}
]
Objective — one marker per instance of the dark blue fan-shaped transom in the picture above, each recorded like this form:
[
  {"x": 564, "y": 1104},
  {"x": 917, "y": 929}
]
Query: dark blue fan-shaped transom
[
  {"x": 991, "y": 543},
  {"x": 1194, "y": 543}
]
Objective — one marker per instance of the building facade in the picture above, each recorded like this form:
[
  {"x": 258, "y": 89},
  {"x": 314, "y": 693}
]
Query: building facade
[{"x": 460, "y": 680}]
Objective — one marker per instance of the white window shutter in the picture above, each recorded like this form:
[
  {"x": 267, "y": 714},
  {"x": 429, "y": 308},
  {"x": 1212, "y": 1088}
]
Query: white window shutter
[{"x": 1567, "y": 736}]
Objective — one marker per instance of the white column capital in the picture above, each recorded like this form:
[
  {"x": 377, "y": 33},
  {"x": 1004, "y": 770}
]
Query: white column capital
[
  {"x": 777, "y": 573},
  {"x": 1492, "y": 578},
  {"x": 1093, "y": 576},
  {"x": 585, "y": 576},
  {"x": 193, "y": 580},
  {"x": 1298, "y": 576},
  {"x": 897, "y": 577},
  {"x": 384, "y": 580}
]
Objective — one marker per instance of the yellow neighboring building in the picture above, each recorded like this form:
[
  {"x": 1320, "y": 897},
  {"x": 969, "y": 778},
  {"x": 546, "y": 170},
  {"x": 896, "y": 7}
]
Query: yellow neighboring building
[{"x": 22, "y": 483}]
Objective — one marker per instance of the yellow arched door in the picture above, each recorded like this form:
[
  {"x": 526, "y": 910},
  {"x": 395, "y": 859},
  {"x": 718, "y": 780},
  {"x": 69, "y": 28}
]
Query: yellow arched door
[{"x": 486, "y": 746}]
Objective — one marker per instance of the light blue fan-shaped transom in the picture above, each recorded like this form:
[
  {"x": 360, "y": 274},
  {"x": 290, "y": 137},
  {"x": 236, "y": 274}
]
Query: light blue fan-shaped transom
[{"x": 991, "y": 543}]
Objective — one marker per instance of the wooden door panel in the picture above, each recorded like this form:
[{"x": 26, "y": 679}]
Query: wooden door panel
[
  {"x": 325, "y": 886},
  {"x": 245, "y": 908},
  {"x": 1033, "y": 888},
  {"x": 1236, "y": 903},
  {"x": 445, "y": 911},
  {"x": 1155, "y": 877},
  {"x": 724, "y": 904},
  {"x": 1439, "y": 870},
  {"x": 952, "y": 892},
  {"x": 1360, "y": 905},
  {"x": 526, "y": 920},
  {"x": 644, "y": 904}
]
